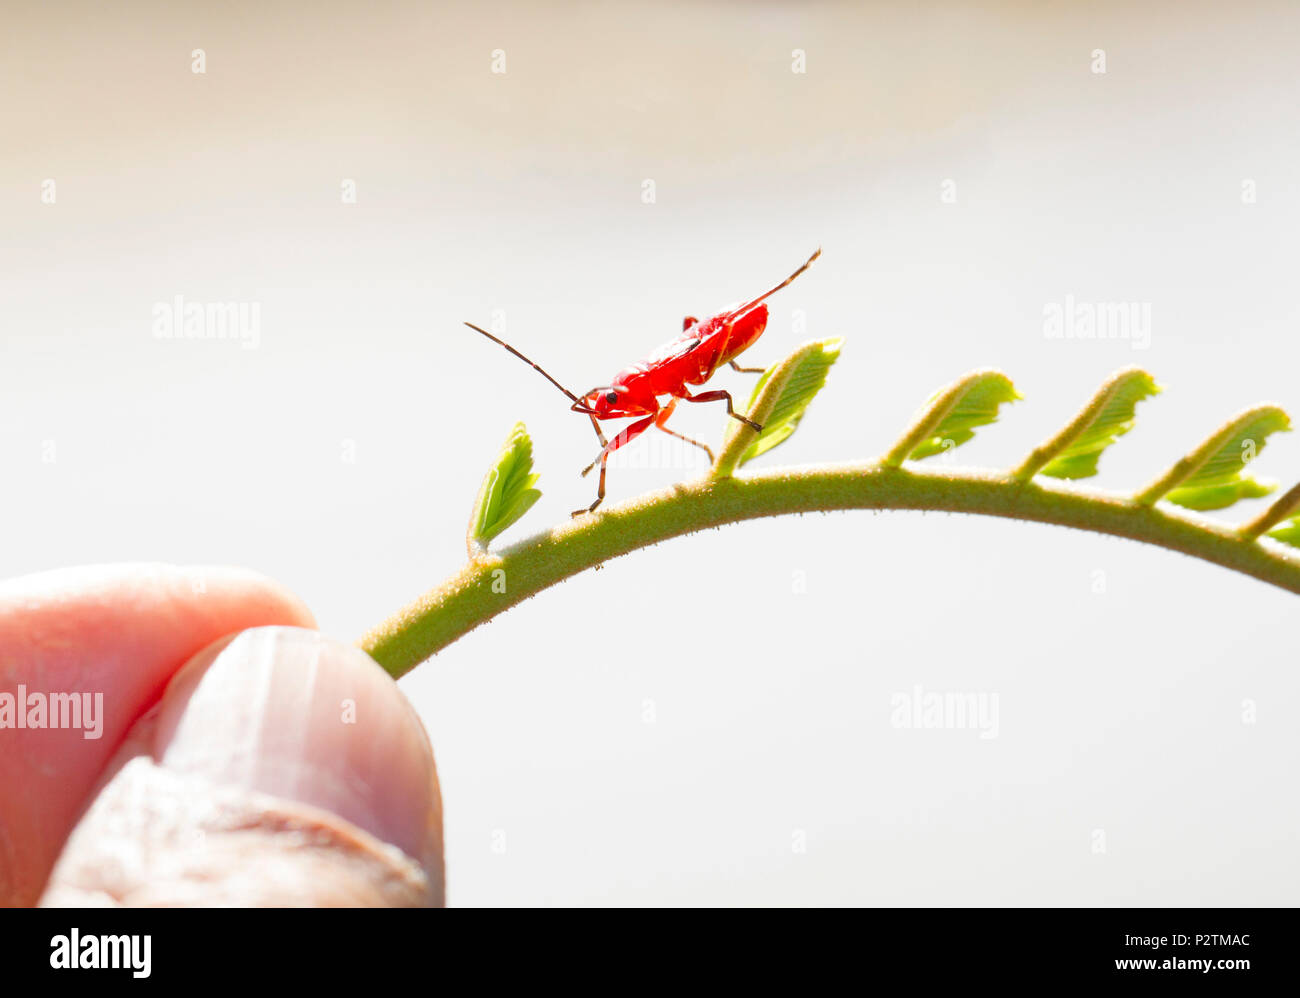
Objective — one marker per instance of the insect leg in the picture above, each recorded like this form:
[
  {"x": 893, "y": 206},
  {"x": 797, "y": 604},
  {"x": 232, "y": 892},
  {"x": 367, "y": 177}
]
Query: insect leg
[
  {"x": 746, "y": 370},
  {"x": 718, "y": 395},
  {"x": 662, "y": 418},
  {"x": 599, "y": 435},
  {"x": 688, "y": 322},
  {"x": 625, "y": 437},
  {"x": 600, "y": 490}
]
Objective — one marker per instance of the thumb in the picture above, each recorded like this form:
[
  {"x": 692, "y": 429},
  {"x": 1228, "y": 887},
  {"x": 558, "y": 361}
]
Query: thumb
[{"x": 279, "y": 768}]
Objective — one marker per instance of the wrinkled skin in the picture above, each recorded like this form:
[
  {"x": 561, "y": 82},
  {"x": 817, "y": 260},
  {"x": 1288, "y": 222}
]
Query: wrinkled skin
[{"x": 243, "y": 758}]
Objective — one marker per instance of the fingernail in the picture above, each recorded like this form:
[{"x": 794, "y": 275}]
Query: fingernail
[{"x": 289, "y": 712}]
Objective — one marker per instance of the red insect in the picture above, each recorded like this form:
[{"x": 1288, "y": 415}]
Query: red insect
[{"x": 690, "y": 359}]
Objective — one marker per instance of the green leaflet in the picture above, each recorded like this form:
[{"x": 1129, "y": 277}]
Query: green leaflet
[
  {"x": 1104, "y": 420},
  {"x": 1246, "y": 440},
  {"x": 507, "y": 492},
  {"x": 1288, "y": 532},
  {"x": 1211, "y": 476},
  {"x": 1221, "y": 496},
  {"x": 952, "y": 415},
  {"x": 795, "y": 381}
]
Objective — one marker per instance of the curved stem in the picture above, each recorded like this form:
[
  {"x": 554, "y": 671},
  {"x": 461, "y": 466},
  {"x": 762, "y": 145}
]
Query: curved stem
[
  {"x": 492, "y": 583},
  {"x": 1275, "y": 514}
]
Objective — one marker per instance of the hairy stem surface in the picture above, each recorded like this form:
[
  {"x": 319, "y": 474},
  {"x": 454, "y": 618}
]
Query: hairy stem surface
[{"x": 495, "y": 582}]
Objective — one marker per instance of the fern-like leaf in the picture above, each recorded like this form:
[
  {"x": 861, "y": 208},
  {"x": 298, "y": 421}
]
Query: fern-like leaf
[
  {"x": 1210, "y": 477},
  {"x": 1074, "y": 452},
  {"x": 952, "y": 414},
  {"x": 507, "y": 491},
  {"x": 778, "y": 403}
]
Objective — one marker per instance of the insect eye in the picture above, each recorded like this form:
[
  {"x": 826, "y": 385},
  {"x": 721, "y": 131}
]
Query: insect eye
[{"x": 611, "y": 397}]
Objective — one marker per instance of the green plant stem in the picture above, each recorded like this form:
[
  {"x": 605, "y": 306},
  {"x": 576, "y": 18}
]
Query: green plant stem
[
  {"x": 494, "y": 582},
  {"x": 1274, "y": 515}
]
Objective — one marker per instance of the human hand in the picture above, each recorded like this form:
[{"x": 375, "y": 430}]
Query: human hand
[{"x": 228, "y": 754}]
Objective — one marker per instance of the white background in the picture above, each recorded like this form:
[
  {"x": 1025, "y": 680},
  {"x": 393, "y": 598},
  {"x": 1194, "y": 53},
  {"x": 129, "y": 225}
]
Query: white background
[{"x": 1120, "y": 711}]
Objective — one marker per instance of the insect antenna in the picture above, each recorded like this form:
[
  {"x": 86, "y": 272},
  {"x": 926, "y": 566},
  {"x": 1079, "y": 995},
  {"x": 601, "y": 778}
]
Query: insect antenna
[
  {"x": 535, "y": 367},
  {"x": 768, "y": 294}
]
